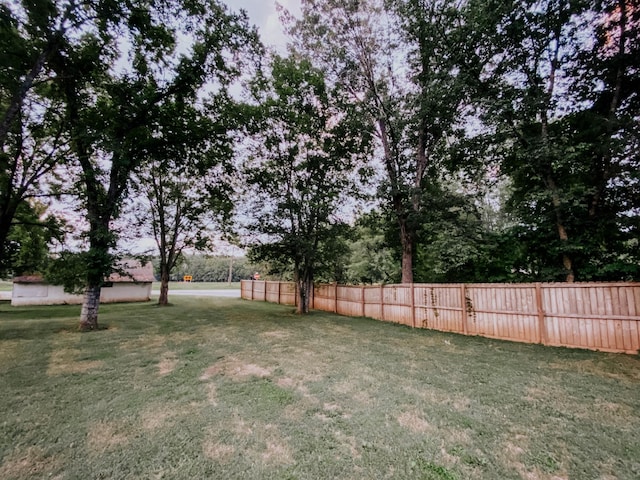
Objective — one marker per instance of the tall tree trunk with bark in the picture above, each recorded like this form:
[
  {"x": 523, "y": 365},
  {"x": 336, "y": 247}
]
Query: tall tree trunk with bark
[
  {"x": 90, "y": 306},
  {"x": 163, "y": 299},
  {"x": 304, "y": 287}
]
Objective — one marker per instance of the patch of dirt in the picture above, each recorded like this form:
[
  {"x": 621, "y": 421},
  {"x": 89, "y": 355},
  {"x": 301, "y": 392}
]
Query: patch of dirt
[
  {"x": 414, "y": 421},
  {"x": 235, "y": 368},
  {"x": 104, "y": 436},
  {"x": 212, "y": 394},
  {"x": 28, "y": 463},
  {"x": 277, "y": 334},
  {"x": 156, "y": 418},
  {"x": 64, "y": 361},
  {"x": 167, "y": 364},
  {"x": 218, "y": 452}
]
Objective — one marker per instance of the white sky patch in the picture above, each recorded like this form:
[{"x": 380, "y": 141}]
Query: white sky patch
[{"x": 264, "y": 15}]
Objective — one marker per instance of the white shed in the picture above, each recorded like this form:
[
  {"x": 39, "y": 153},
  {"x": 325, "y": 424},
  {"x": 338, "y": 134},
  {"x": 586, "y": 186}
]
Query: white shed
[{"x": 134, "y": 286}]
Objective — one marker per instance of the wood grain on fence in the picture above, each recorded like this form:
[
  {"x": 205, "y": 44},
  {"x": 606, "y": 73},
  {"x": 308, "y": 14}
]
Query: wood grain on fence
[{"x": 597, "y": 316}]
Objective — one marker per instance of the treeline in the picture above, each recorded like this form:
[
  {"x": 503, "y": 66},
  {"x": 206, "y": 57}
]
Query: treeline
[
  {"x": 205, "y": 268},
  {"x": 487, "y": 140},
  {"x": 501, "y": 140}
]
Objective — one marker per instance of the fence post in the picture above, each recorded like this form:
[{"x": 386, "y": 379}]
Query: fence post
[
  {"x": 252, "y": 289},
  {"x": 335, "y": 297},
  {"x": 382, "y": 302},
  {"x": 362, "y": 300},
  {"x": 279, "y": 283},
  {"x": 542, "y": 330},
  {"x": 463, "y": 300}
]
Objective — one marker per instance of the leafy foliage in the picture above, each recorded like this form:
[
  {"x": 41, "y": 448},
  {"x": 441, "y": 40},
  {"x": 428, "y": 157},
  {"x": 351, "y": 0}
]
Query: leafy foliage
[{"x": 302, "y": 171}]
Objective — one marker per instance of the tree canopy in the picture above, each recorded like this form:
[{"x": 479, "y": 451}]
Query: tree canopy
[{"x": 492, "y": 141}]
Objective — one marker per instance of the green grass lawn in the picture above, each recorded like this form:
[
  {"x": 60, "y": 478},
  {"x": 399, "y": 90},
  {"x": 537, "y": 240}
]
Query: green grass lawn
[
  {"x": 225, "y": 388},
  {"x": 199, "y": 286},
  {"x": 5, "y": 286}
]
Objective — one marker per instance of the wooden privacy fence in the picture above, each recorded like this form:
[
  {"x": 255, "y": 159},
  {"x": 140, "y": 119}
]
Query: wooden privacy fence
[{"x": 596, "y": 316}]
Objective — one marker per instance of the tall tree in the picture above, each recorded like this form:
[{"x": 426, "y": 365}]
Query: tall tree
[
  {"x": 32, "y": 138},
  {"x": 558, "y": 83},
  {"x": 304, "y": 170},
  {"x": 113, "y": 75},
  {"x": 413, "y": 100},
  {"x": 186, "y": 185}
]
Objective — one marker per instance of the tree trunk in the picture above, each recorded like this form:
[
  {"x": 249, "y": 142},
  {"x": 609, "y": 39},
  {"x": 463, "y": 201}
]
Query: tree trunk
[
  {"x": 164, "y": 287},
  {"x": 90, "y": 305},
  {"x": 230, "y": 278},
  {"x": 567, "y": 263},
  {"x": 406, "y": 241},
  {"x": 304, "y": 283}
]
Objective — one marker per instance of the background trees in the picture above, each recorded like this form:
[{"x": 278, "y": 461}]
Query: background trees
[
  {"x": 558, "y": 96},
  {"x": 536, "y": 100}
]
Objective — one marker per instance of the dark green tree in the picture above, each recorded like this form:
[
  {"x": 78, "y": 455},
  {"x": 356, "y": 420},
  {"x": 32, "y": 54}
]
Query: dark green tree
[
  {"x": 32, "y": 138},
  {"x": 305, "y": 167},
  {"x": 371, "y": 259},
  {"x": 27, "y": 246},
  {"x": 114, "y": 74},
  {"x": 558, "y": 90}
]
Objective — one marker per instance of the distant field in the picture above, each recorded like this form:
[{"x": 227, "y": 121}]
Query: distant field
[
  {"x": 5, "y": 286},
  {"x": 199, "y": 286}
]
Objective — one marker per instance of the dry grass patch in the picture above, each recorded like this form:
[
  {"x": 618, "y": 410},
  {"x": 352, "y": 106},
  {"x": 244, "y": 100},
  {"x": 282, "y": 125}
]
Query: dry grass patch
[
  {"x": 590, "y": 366},
  {"x": 156, "y": 418},
  {"x": 144, "y": 342},
  {"x": 414, "y": 421},
  {"x": 276, "y": 334},
  {"x": 219, "y": 452},
  {"x": 277, "y": 451},
  {"x": 30, "y": 462},
  {"x": 348, "y": 443},
  {"x": 9, "y": 351},
  {"x": 212, "y": 394},
  {"x": 167, "y": 364},
  {"x": 103, "y": 436},
  {"x": 65, "y": 361},
  {"x": 235, "y": 369}
]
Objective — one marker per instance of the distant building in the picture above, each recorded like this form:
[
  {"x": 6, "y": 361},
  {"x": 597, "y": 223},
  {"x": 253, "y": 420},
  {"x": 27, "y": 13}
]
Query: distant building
[{"x": 133, "y": 286}]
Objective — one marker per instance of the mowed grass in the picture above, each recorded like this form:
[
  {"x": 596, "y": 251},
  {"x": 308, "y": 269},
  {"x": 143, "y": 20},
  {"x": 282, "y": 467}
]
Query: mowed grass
[
  {"x": 5, "y": 286},
  {"x": 225, "y": 388},
  {"x": 199, "y": 286}
]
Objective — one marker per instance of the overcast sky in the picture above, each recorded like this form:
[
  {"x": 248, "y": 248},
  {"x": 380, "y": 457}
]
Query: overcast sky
[{"x": 263, "y": 14}]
